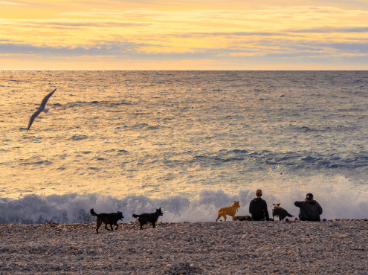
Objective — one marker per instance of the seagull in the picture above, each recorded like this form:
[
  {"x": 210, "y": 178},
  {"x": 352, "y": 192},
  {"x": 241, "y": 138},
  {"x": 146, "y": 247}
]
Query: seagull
[{"x": 40, "y": 109}]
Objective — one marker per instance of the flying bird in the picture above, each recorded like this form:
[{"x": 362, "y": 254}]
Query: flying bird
[{"x": 40, "y": 109}]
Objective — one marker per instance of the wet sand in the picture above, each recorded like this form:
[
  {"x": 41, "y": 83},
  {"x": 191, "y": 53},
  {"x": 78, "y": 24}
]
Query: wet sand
[{"x": 331, "y": 247}]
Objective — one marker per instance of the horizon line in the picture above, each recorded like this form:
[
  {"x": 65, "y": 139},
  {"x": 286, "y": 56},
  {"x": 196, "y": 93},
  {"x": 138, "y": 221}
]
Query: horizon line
[{"x": 193, "y": 70}]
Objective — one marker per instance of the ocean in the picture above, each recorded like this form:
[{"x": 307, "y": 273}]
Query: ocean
[{"x": 187, "y": 141}]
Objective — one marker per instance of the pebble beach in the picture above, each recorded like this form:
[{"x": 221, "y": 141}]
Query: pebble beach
[{"x": 295, "y": 247}]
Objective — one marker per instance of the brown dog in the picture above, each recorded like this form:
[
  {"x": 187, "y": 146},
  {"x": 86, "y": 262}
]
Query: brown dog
[{"x": 230, "y": 211}]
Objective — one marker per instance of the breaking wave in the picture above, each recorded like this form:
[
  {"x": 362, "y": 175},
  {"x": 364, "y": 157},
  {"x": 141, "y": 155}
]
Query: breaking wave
[{"x": 339, "y": 200}]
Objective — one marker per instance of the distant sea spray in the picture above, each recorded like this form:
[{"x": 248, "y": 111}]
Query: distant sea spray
[{"x": 339, "y": 201}]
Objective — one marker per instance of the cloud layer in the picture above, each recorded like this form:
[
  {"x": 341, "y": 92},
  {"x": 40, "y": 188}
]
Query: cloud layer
[{"x": 158, "y": 31}]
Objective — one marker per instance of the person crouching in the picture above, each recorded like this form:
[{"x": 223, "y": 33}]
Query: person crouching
[{"x": 310, "y": 210}]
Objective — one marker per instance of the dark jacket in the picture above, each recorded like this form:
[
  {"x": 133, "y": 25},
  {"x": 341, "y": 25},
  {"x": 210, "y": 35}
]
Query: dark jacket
[
  {"x": 258, "y": 209},
  {"x": 309, "y": 211}
]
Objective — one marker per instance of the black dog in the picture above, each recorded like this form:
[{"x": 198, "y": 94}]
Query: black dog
[
  {"x": 242, "y": 218},
  {"x": 280, "y": 212},
  {"x": 107, "y": 218},
  {"x": 149, "y": 217}
]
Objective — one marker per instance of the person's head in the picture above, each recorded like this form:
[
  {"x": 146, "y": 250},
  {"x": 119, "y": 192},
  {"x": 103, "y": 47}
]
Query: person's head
[
  {"x": 259, "y": 193},
  {"x": 309, "y": 197}
]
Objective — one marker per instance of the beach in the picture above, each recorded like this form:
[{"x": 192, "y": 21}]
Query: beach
[{"x": 274, "y": 247}]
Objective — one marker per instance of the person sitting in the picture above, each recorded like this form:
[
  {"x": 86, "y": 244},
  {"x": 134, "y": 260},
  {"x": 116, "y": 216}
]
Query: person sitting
[
  {"x": 310, "y": 210},
  {"x": 258, "y": 208}
]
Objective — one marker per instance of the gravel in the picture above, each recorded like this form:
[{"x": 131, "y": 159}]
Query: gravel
[{"x": 330, "y": 247}]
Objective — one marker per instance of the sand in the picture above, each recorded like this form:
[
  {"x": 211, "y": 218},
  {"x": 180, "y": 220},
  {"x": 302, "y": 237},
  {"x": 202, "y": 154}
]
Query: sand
[{"x": 331, "y": 247}]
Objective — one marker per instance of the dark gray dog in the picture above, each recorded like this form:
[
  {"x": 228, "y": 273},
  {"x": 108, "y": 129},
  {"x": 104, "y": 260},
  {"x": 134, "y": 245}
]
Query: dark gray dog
[
  {"x": 280, "y": 212},
  {"x": 107, "y": 218},
  {"x": 242, "y": 218},
  {"x": 149, "y": 217}
]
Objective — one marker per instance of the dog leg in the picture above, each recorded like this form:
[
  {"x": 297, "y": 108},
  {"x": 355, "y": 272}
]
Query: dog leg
[
  {"x": 116, "y": 227},
  {"x": 154, "y": 224},
  {"x": 98, "y": 226},
  {"x": 112, "y": 229},
  {"x": 106, "y": 227},
  {"x": 219, "y": 215}
]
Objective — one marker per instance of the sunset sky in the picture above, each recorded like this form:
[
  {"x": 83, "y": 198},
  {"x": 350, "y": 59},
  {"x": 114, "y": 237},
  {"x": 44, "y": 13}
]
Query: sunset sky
[{"x": 184, "y": 35}]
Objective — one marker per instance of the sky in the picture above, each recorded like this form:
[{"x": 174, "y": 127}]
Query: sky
[{"x": 184, "y": 35}]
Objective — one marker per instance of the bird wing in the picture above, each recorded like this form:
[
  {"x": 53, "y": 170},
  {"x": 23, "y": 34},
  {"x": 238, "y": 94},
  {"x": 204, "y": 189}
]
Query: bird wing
[
  {"x": 46, "y": 98},
  {"x": 35, "y": 114}
]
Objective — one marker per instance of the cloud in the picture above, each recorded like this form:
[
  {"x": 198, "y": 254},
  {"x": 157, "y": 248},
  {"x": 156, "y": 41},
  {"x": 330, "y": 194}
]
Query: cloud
[
  {"x": 70, "y": 23},
  {"x": 348, "y": 47},
  {"x": 240, "y": 34},
  {"x": 115, "y": 49},
  {"x": 137, "y": 51},
  {"x": 266, "y": 14},
  {"x": 10, "y": 3},
  {"x": 332, "y": 30}
]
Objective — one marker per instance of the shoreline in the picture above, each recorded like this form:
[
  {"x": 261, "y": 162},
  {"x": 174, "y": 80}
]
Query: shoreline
[{"x": 332, "y": 247}]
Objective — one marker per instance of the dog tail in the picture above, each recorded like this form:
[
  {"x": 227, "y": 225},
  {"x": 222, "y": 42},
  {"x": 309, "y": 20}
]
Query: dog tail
[
  {"x": 136, "y": 216},
  {"x": 93, "y": 213}
]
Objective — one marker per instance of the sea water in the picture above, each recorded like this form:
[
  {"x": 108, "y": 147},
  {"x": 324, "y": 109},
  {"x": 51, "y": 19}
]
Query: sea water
[{"x": 187, "y": 141}]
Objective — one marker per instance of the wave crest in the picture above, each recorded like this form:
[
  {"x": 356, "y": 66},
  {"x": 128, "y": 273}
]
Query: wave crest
[{"x": 339, "y": 200}]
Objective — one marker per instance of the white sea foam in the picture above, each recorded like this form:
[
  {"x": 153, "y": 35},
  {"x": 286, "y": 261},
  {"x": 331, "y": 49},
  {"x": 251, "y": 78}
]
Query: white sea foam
[{"x": 339, "y": 200}]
